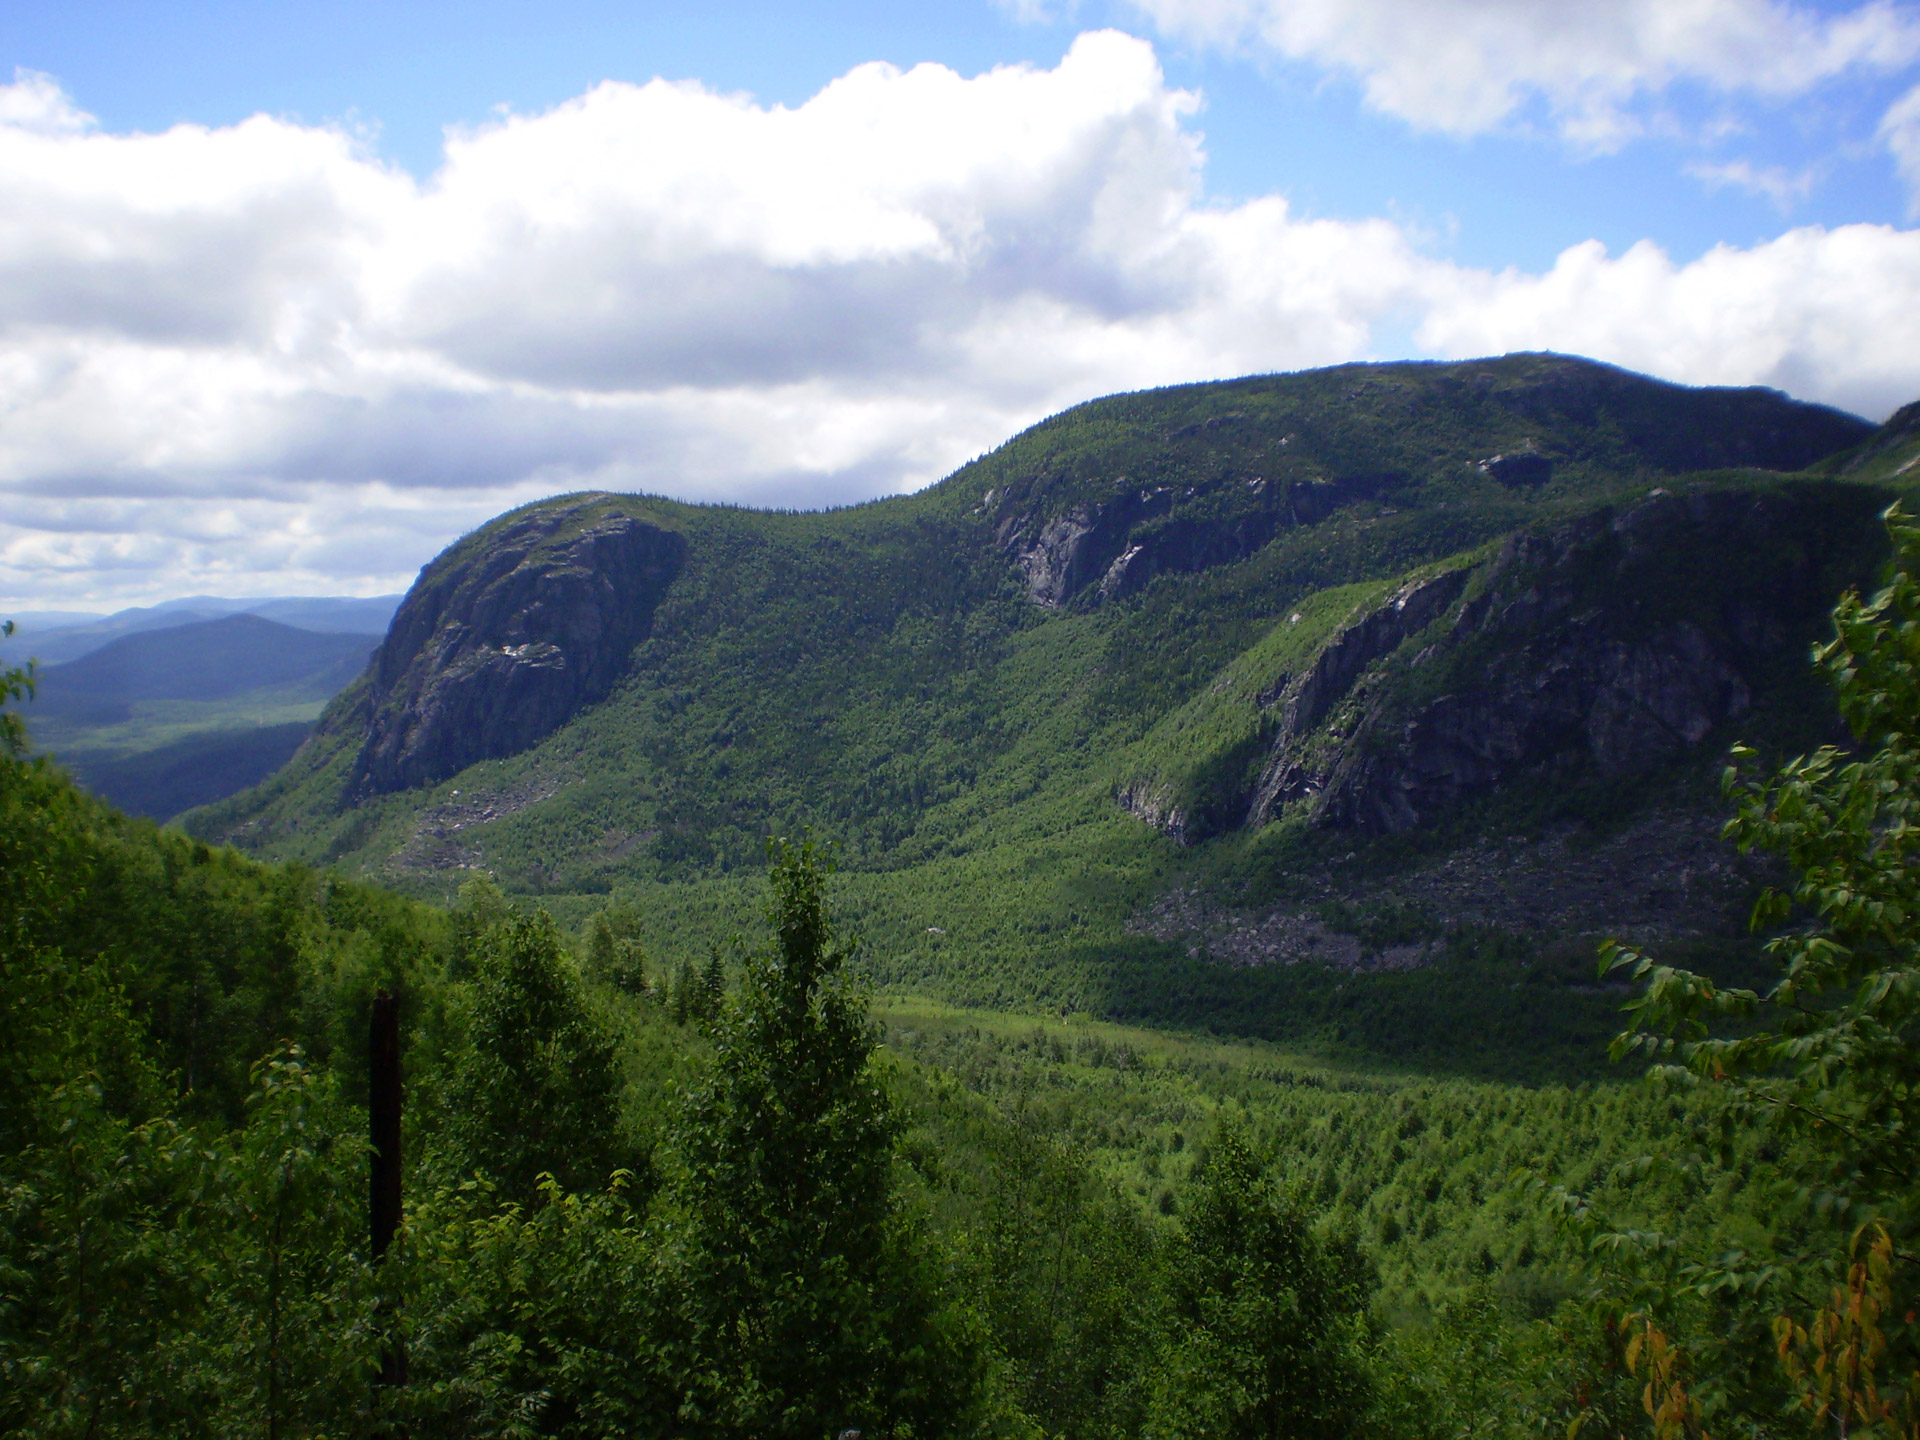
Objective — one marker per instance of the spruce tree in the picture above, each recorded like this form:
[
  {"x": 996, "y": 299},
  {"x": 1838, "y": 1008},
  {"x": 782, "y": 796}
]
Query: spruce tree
[
  {"x": 536, "y": 1091},
  {"x": 1270, "y": 1315},
  {"x": 809, "y": 1306}
]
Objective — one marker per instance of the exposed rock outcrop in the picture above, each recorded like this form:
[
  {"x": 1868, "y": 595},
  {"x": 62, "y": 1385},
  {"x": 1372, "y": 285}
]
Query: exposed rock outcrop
[
  {"x": 1115, "y": 547},
  {"x": 1152, "y": 799},
  {"x": 1667, "y": 876},
  {"x": 1150, "y": 498},
  {"x": 1581, "y": 653},
  {"x": 1304, "y": 702},
  {"x": 1523, "y": 467},
  {"x": 1623, "y": 708},
  {"x": 506, "y": 636}
]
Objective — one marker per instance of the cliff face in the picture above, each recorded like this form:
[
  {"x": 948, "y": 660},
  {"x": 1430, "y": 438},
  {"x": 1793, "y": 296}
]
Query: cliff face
[
  {"x": 1608, "y": 645},
  {"x": 1210, "y": 602},
  {"x": 1302, "y": 704},
  {"x": 1611, "y": 647},
  {"x": 506, "y": 636},
  {"x": 1112, "y": 548},
  {"x": 1141, "y": 497}
]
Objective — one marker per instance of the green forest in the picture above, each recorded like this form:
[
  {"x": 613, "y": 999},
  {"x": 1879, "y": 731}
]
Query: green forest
[
  {"x": 750, "y": 1193},
  {"x": 1111, "y": 720}
]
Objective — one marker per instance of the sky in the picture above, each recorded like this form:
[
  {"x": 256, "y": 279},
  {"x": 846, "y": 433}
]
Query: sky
[{"x": 292, "y": 296}]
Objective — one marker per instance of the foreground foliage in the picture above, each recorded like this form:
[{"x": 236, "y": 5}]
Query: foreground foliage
[
  {"x": 188, "y": 1255},
  {"x": 1821, "y": 1069}
]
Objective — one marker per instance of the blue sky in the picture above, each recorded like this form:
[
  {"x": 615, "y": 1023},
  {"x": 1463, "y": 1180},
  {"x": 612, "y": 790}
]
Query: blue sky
[
  {"x": 300, "y": 352},
  {"x": 1516, "y": 196}
]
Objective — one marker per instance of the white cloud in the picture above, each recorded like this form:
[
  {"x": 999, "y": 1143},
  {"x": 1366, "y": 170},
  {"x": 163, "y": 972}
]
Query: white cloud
[
  {"x": 255, "y": 359},
  {"x": 1825, "y": 314},
  {"x": 1776, "y": 183},
  {"x": 1900, "y": 133},
  {"x": 36, "y": 102},
  {"x": 1466, "y": 66}
]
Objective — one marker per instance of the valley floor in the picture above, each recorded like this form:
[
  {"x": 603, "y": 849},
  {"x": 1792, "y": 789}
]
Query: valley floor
[{"x": 1437, "y": 1176}]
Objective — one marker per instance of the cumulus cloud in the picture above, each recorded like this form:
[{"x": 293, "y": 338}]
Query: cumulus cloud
[
  {"x": 1467, "y": 66},
  {"x": 36, "y": 102},
  {"x": 257, "y": 359},
  {"x": 1825, "y": 314}
]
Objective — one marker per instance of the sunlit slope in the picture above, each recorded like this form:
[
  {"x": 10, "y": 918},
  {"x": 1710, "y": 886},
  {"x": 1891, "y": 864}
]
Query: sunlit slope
[
  {"x": 902, "y": 672},
  {"x": 1035, "y": 700}
]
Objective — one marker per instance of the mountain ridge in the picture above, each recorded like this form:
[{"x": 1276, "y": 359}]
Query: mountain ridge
[
  {"x": 54, "y": 637},
  {"x": 979, "y": 707},
  {"x": 201, "y": 660}
]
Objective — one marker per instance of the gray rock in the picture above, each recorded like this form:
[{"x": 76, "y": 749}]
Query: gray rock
[
  {"x": 506, "y": 636},
  {"x": 1559, "y": 664},
  {"x": 1306, "y": 701},
  {"x": 1115, "y": 547},
  {"x": 1524, "y": 467}
]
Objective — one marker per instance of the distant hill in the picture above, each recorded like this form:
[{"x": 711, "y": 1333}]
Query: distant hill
[
  {"x": 205, "y": 766},
  {"x": 55, "y": 636},
  {"x": 162, "y": 720},
  {"x": 201, "y": 660},
  {"x": 1168, "y": 694}
]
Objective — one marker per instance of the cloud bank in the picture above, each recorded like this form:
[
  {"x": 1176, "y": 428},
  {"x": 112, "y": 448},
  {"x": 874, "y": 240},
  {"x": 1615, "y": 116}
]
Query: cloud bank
[
  {"x": 1467, "y": 66},
  {"x": 255, "y": 359}
]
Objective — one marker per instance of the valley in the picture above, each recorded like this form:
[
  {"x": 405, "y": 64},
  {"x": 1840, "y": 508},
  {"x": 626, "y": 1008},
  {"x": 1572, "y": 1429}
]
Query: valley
[
  {"x": 163, "y": 710},
  {"x": 1107, "y": 946},
  {"x": 1162, "y": 694}
]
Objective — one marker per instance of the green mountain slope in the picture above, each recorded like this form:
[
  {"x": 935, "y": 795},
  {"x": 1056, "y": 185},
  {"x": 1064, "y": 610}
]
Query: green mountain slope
[
  {"x": 1166, "y": 691},
  {"x": 206, "y": 660},
  {"x": 160, "y": 721}
]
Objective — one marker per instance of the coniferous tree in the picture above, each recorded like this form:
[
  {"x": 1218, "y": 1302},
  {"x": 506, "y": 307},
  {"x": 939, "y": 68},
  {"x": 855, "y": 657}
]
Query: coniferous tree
[
  {"x": 711, "y": 990},
  {"x": 1270, "y": 1313},
  {"x": 536, "y": 1091},
  {"x": 614, "y": 954},
  {"x": 809, "y": 1304}
]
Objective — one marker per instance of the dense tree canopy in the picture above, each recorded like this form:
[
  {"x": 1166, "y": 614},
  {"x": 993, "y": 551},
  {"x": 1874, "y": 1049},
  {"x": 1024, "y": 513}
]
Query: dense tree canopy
[{"x": 1825, "y": 1064}]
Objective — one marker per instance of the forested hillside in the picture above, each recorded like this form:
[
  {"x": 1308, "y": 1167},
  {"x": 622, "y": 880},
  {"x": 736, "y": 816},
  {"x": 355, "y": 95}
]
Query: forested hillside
[
  {"x": 715, "y": 1200},
  {"x": 187, "y": 710},
  {"x": 1404, "y": 669}
]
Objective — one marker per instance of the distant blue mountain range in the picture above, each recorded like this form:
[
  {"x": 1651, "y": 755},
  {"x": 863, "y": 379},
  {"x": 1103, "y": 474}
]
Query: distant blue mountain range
[
  {"x": 54, "y": 637},
  {"x": 168, "y": 707},
  {"x": 202, "y": 661}
]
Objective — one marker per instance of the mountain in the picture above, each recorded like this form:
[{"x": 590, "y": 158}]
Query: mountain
[
  {"x": 54, "y": 637},
  {"x": 200, "y": 660},
  {"x": 172, "y": 776},
  {"x": 161, "y": 721},
  {"x": 1359, "y": 665}
]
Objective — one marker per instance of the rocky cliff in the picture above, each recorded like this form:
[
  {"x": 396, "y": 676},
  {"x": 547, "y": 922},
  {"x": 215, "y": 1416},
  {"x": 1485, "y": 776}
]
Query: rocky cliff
[
  {"x": 1208, "y": 601},
  {"x": 506, "y": 637},
  {"x": 1611, "y": 646},
  {"x": 1149, "y": 498}
]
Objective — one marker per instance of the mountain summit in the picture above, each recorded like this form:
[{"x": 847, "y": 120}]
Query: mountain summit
[{"x": 1368, "y": 601}]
